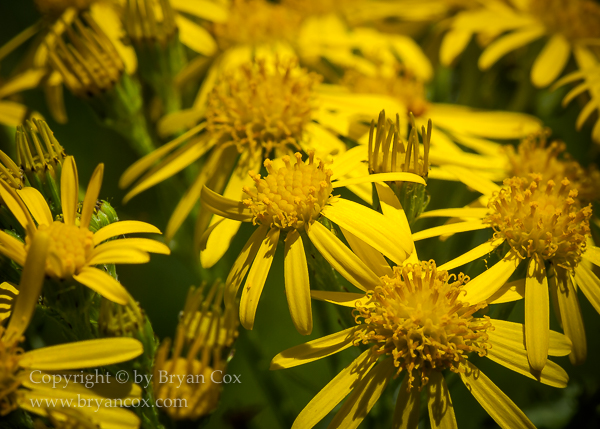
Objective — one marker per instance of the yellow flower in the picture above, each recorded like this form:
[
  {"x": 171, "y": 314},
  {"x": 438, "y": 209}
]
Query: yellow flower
[
  {"x": 542, "y": 221},
  {"x": 571, "y": 26},
  {"x": 204, "y": 334},
  {"x": 290, "y": 200},
  {"x": 416, "y": 320},
  {"x": 260, "y": 109},
  {"x": 74, "y": 250},
  {"x": 24, "y": 375}
]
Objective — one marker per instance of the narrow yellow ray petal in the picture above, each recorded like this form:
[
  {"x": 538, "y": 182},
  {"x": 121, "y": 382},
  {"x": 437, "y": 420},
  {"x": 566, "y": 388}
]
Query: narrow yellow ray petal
[
  {"x": 118, "y": 255},
  {"x": 493, "y": 400},
  {"x": 441, "y": 411},
  {"x": 505, "y": 44},
  {"x": 408, "y": 407},
  {"x": 364, "y": 396},
  {"x": 205, "y": 9},
  {"x": 69, "y": 190},
  {"x": 485, "y": 285},
  {"x": 372, "y": 227},
  {"x": 464, "y": 212},
  {"x": 570, "y": 315},
  {"x": 142, "y": 244},
  {"x": 334, "y": 392},
  {"x": 137, "y": 168},
  {"x": 82, "y": 354},
  {"x": 451, "y": 228},
  {"x": 345, "y": 299},
  {"x": 473, "y": 254},
  {"x": 349, "y": 161},
  {"x": 30, "y": 287},
  {"x": 315, "y": 349},
  {"x": 511, "y": 291},
  {"x": 27, "y": 80},
  {"x": 454, "y": 42},
  {"x": 257, "y": 277},
  {"x": 123, "y": 227},
  {"x": 104, "y": 284},
  {"x": 195, "y": 37},
  {"x": 589, "y": 284},
  {"x": 537, "y": 314},
  {"x": 592, "y": 254},
  {"x": 513, "y": 335},
  {"x": 297, "y": 286},
  {"x": 473, "y": 180},
  {"x": 218, "y": 240},
  {"x": 341, "y": 258},
  {"x": 482, "y": 146},
  {"x": 12, "y": 113},
  {"x": 329, "y": 143},
  {"x": 37, "y": 205},
  {"x": 12, "y": 248},
  {"x": 550, "y": 63},
  {"x": 371, "y": 257},
  {"x": 381, "y": 177},
  {"x": 91, "y": 196},
  {"x": 224, "y": 206},
  {"x": 17, "y": 207}
]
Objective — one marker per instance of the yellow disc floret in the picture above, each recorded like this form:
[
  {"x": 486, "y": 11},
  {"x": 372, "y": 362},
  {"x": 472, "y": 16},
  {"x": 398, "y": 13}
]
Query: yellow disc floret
[
  {"x": 575, "y": 19},
  {"x": 541, "y": 219},
  {"x": 10, "y": 355},
  {"x": 69, "y": 250},
  {"x": 291, "y": 196},
  {"x": 418, "y": 318},
  {"x": 262, "y": 106}
]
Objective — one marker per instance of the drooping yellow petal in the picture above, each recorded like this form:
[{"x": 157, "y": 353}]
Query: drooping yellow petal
[
  {"x": 473, "y": 254},
  {"x": 589, "y": 284},
  {"x": 37, "y": 205},
  {"x": 441, "y": 411},
  {"x": 12, "y": 248},
  {"x": 224, "y": 206},
  {"x": 123, "y": 227},
  {"x": 513, "y": 335},
  {"x": 30, "y": 286},
  {"x": 83, "y": 354},
  {"x": 297, "y": 286},
  {"x": 345, "y": 299},
  {"x": 364, "y": 396},
  {"x": 118, "y": 255},
  {"x": 570, "y": 315},
  {"x": 493, "y": 400},
  {"x": 550, "y": 63},
  {"x": 336, "y": 390},
  {"x": 451, "y": 228},
  {"x": 408, "y": 407},
  {"x": 505, "y": 44},
  {"x": 454, "y": 42},
  {"x": 487, "y": 283},
  {"x": 366, "y": 253},
  {"x": 257, "y": 277},
  {"x": 315, "y": 349},
  {"x": 537, "y": 314},
  {"x": 104, "y": 284},
  {"x": 69, "y": 190},
  {"x": 91, "y": 196},
  {"x": 371, "y": 227},
  {"x": 341, "y": 258}
]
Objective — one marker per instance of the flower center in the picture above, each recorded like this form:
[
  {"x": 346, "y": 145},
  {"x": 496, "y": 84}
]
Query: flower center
[
  {"x": 576, "y": 19},
  {"x": 261, "y": 107},
  {"x": 56, "y": 7},
  {"x": 10, "y": 355},
  {"x": 69, "y": 250},
  {"x": 255, "y": 22},
  {"x": 546, "y": 221},
  {"x": 290, "y": 196},
  {"x": 534, "y": 155},
  {"x": 416, "y": 317}
]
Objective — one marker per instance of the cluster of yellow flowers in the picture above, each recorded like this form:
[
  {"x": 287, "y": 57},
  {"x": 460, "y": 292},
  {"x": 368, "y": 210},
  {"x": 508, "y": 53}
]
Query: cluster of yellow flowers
[{"x": 267, "y": 119}]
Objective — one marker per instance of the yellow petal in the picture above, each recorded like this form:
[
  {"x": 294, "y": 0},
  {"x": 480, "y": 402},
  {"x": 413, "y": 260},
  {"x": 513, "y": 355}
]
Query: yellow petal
[
  {"x": 37, "y": 205},
  {"x": 441, "y": 411},
  {"x": 336, "y": 390},
  {"x": 341, "y": 258},
  {"x": 505, "y": 44},
  {"x": 372, "y": 227},
  {"x": 454, "y": 42},
  {"x": 537, "y": 314},
  {"x": 381, "y": 177},
  {"x": 408, "y": 407},
  {"x": 224, "y": 206},
  {"x": 91, "y": 196},
  {"x": 30, "y": 286},
  {"x": 315, "y": 349},
  {"x": 8, "y": 293},
  {"x": 473, "y": 180},
  {"x": 17, "y": 207},
  {"x": 83, "y": 354},
  {"x": 472, "y": 225},
  {"x": 12, "y": 114},
  {"x": 570, "y": 314},
  {"x": 123, "y": 227},
  {"x": 143, "y": 244},
  {"x": 511, "y": 291},
  {"x": 195, "y": 37},
  {"x": 550, "y": 63},
  {"x": 493, "y": 400},
  {"x": 297, "y": 287},
  {"x": 473, "y": 254},
  {"x": 364, "y": 396},
  {"x": 589, "y": 284},
  {"x": 27, "y": 80},
  {"x": 592, "y": 254},
  {"x": 257, "y": 277},
  {"x": 12, "y": 248},
  {"x": 485, "y": 285},
  {"x": 345, "y": 299},
  {"x": 69, "y": 190},
  {"x": 118, "y": 255},
  {"x": 371, "y": 257},
  {"x": 104, "y": 284},
  {"x": 513, "y": 335},
  {"x": 218, "y": 240},
  {"x": 205, "y": 9},
  {"x": 465, "y": 212}
]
